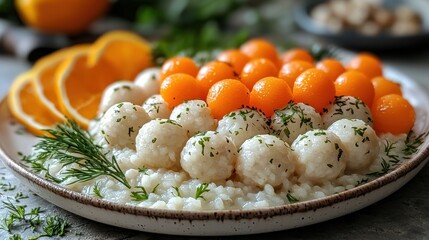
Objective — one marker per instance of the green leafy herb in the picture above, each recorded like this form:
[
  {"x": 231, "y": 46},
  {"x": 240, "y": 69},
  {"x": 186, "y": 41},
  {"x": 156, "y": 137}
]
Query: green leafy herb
[
  {"x": 177, "y": 191},
  {"x": 96, "y": 190},
  {"x": 201, "y": 189},
  {"x": 6, "y": 187},
  {"x": 202, "y": 142},
  {"x": 413, "y": 143},
  {"x": 385, "y": 167},
  {"x": 142, "y": 195},
  {"x": 18, "y": 216},
  {"x": 143, "y": 170},
  {"x": 291, "y": 198},
  {"x": 53, "y": 226},
  {"x": 15, "y": 237},
  {"x": 320, "y": 52},
  {"x": 19, "y": 196},
  {"x": 169, "y": 121},
  {"x": 362, "y": 181},
  {"x": 71, "y": 145}
]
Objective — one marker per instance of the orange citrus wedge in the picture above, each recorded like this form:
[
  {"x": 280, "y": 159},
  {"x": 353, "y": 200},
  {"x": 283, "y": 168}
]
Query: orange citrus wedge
[
  {"x": 27, "y": 108},
  {"x": 79, "y": 86},
  {"x": 44, "y": 76},
  {"x": 125, "y": 51}
]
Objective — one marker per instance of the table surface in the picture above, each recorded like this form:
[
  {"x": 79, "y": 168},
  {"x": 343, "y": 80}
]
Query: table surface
[{"x": 402, "y": 215}]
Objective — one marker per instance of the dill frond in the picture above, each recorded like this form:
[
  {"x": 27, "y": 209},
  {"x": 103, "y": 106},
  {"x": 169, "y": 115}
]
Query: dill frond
[{"x": 70, "y": 144}]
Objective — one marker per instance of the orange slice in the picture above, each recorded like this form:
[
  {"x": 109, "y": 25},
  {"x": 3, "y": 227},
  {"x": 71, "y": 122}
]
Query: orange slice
[
  {"x": 27, "y": 108},
  {"x": 79, "y": 86},
  {"x": 44, "y": 76},
  {"x": 125, "y": 51}
]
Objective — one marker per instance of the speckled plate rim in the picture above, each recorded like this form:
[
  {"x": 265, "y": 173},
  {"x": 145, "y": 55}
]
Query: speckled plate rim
[{"x": 288, "y": 209}]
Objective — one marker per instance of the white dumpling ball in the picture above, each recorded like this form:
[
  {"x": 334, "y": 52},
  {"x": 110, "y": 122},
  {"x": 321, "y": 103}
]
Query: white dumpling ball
[
  {"x": 194, "y": 116},
  {"x": 265, "y": 159},
  {"x": 360, "y": 141},
  {"x": 321, "y": 156},
  {"x": 346, "y": 107},
  {"x": 209, "y": 157},
  {"x": 159, "y": 143},
  {"x": 121, "y": 91},
  {"x": 157, "y": 107},
  {"x": 243, "y": 124},
  {"x": 149, "y": 81},
  {"x": 120, "y": 124},
  {"x": 293, "y": 120}
]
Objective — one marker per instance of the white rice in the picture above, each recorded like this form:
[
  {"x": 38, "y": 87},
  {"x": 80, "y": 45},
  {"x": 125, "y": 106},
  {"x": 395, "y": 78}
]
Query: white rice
[{"x": 174, "y": 175}]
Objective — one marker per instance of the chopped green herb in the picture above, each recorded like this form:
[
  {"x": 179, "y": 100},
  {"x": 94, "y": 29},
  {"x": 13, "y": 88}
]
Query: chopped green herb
[{"x": 202, "y": 142}]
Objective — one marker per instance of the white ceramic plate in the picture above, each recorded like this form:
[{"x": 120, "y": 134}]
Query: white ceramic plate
[{"x": 217, "y": 222}]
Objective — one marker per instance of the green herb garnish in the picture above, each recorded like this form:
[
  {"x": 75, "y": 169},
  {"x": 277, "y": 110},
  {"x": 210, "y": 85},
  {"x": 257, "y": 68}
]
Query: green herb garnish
[
  {"x": 291, "y": 198},
  {"x": 72, "y": 145},
  {"x": 201, "y": 189}
]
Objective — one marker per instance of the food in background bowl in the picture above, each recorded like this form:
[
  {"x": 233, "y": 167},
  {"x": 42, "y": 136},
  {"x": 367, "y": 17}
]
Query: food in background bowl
[{"x": 368, "y": 17}]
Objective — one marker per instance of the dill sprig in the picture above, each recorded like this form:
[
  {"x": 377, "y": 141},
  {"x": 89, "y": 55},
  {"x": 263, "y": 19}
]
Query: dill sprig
[
  {"x": 54, "y": 226},
  {"x": 291, "y": 198},
  {"x": 96, "y": 190},
  {"x": 201, "y": 189},
  {"x": 70, "y": 144},
  {"x": 142, "y": 195},
  {"x": 412, "y": 143},
  {"x": 177, "y": 190}
]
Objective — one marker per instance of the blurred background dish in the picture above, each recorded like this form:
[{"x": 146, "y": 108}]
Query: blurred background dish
[{"x": 367, "y": 24}]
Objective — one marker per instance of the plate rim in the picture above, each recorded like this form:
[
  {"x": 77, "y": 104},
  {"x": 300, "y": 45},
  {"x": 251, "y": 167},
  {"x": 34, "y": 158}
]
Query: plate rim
[{"x": 287, "y": 209}]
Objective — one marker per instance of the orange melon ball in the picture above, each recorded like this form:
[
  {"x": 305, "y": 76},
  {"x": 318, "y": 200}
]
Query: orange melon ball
[
  {"x": 235, "y": 57},
  {"x": 393, "y": 114},
  {"x": 368, "y": 64},
  {"x": 355, "y": 84},
  {"x": 332, "y": 67},
  {"x": 178, "y": 65},
  {"x": 213, "y": 72},
  {"x": 257, "y": 69},
  {"x": 313, "y": 87},
  {"x": 297, "y": 54},
  {"x": 260, "y": 48},
  {"x": 269, "y": 94},
  {"x": 179, "y": 87},
  {"x": 291, "y": 70},
  {"x": 383, "y": 86},
  {"x": 226, "y": 96}
]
